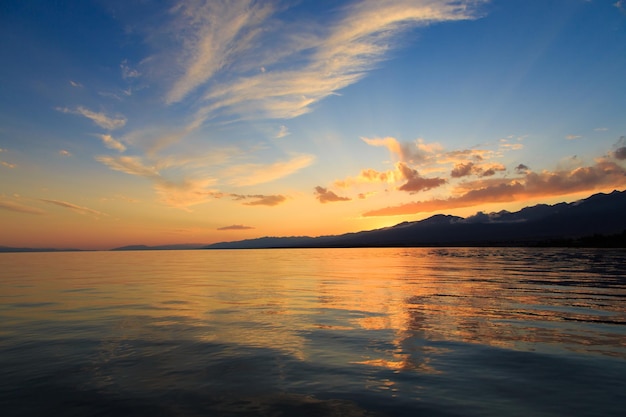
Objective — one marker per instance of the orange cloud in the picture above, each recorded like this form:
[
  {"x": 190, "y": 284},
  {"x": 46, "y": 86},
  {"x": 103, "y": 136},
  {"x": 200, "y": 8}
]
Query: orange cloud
[
  {"x": 462, "y": 170},
  {"x": 488, "y": 171},
  {"x": 605, "y": 174},
  {"x": 10, "y": 205},
  {"x": 415, "y": 182},
  {"x": 74, "y": 207},
  {"x": 326, "y": 196},
  {"x": 368, "y": 176},
  {"x": 415, "y": 152},
  {"x": 235, "y": 227},
  {"x": 261, "y": 200}
]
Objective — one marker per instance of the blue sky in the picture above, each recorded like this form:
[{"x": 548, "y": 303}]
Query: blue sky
[{"x": 163, "y": 122}]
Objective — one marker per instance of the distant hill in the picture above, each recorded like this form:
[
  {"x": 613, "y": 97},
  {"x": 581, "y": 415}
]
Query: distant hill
[
  {"x": 182, "y": 246},
  {"x": 12, "y": 249},
  {"x": 599, "y": 220}
]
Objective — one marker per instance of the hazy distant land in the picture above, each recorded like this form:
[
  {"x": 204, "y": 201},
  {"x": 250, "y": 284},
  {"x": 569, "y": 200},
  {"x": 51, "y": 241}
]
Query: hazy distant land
[{"x": 597, "y": 221}]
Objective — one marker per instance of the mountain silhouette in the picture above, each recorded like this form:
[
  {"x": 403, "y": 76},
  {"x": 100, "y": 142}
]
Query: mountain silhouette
[{"x": 599, "y": 220}]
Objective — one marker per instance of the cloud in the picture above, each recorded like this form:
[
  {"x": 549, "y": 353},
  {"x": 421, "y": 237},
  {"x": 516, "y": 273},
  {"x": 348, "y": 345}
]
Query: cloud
[
  {"x": 181, "y": 193},
  {"x": 601, "y": 129},
  {"x": 112, "y": 143},
  {"x": 73, "y": 207},
  {"x": 282, "y": 132},
  {"x": 236, "y": 227},
  {"x": 15, "y": 206},
  {"x": 63, "y": 152},
  {"x": 253, "y": 174},
  {"x": 572, "y": 137},
  {"x": 261, "y": 200},
  {"x": 184, "y": 193},
  {"x": 369, "y": 176},
  {"x": 132, "y": 165},
  {"x": 521, "y": 169},
  {"x": 214, "y": 34},
  {"x": 415, "y": 182},
  {"x": 326, "y": 196},
  {"x": 101, "y": 119},
  {"x": 2, "y": 150},
  {"x": 464, "y": 156},
  {"x": 127, "y": 71},
  {"x": 489, "y": 170},
  {"x": 620, "y": 149},
  {"x": 415, "y": 152},
  {"x": 462, "y": 170},
  {"x": 76, "y": 84},
  {"x": 8, "y": 165},
  {"x": 470, "y": 168},
  {"x": 254, "y": 65},
  {"x": 363, "y": 196},
  {"x": 604, "y": 174},
  {"x": 511, "y": 146}
]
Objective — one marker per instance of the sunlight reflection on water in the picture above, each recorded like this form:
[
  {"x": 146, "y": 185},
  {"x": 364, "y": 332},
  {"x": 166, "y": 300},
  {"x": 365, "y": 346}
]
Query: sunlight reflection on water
[{"x": 442, "y": 332}]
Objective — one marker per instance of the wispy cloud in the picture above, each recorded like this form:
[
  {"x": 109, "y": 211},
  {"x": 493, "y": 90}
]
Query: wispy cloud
[
  {"x": 75, "y": 208},
  {"x": 7, "y": 164},
  {"x": 260, "y": 199},
  {"x": 326, "y": 196},
  {"x": 214, "y": 34},
  {"x": 100, "y": 119},
  {"x": 289, "y": 66},
  {"x": 76, "y": 84},
  {"x": 253, "y": 174},
  {"x": 181, "y": 193},
  {"x": 282, "y": 132},
  {"x": 412, "y": 152},
  {"x": 236, "y": 227},
  {"x": 64, "y": 152},
  {"x": 184, "y": 193},
  {"x": 132, "y": 165},
  {"x": 112, "y": 143},
  {"x": 572, "y": 137},
  {"x": 127, "y": 71},
  {"x": 12, "y": 204}
]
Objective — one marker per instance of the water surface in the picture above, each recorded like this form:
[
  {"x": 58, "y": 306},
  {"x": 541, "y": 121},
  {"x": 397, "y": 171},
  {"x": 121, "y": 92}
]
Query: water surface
[{"x": 314, "y": 332}]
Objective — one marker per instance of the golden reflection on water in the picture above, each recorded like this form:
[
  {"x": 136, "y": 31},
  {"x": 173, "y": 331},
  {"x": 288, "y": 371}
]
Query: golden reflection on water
[{"x": 300, "y": 302}]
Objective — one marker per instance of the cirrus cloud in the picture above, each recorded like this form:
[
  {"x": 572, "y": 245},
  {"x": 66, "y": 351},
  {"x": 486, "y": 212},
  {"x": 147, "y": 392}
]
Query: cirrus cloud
[{"x": 100, "y": 119}]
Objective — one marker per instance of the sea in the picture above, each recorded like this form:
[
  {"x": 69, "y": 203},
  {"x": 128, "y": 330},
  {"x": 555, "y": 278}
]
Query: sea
[{"x": 314, "y": 332}]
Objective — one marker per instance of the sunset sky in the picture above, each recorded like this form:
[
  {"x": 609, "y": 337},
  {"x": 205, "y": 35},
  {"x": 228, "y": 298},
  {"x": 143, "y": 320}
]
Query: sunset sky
[{"x": 160, "y": 122}]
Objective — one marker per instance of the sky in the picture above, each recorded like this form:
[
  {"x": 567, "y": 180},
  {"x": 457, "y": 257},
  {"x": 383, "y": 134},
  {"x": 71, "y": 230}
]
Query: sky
[{"x": 161, "y": 122}]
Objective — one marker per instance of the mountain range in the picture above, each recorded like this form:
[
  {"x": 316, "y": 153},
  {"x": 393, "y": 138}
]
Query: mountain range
[
  {"x": 596, "y": 221},
  {"x": 599, "y": 220}
]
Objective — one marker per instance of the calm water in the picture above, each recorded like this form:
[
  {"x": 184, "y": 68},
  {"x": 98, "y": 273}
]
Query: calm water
[{"x": 317, "y": 332}]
